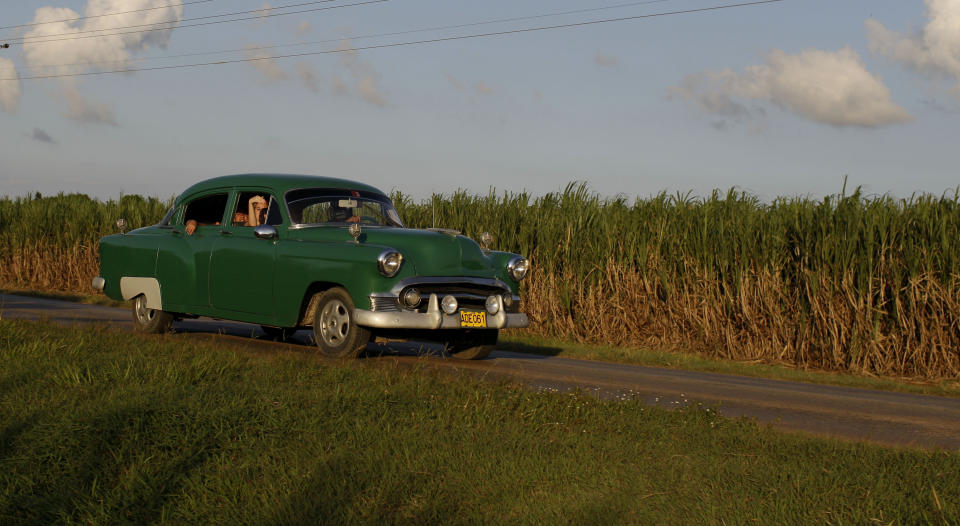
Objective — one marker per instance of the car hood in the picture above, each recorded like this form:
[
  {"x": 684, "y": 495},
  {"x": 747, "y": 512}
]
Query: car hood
[{"x": 431, "y": 253}]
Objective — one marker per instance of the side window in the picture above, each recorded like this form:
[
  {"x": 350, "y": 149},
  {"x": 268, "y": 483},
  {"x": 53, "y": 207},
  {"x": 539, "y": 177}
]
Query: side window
[
  {"x": 207, "y": 210},
  {"x": 254, "y": 209}
]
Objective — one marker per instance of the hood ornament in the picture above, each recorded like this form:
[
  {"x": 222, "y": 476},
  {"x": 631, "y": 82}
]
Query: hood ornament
[
  {"x": 355, "y": 231},
  {"x": 486, "y": 241},
  {"x": 122, "y": 225}
]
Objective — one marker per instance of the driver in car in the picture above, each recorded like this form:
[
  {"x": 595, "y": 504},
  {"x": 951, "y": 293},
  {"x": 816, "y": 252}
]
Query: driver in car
[{"x": 338, "y": 214}]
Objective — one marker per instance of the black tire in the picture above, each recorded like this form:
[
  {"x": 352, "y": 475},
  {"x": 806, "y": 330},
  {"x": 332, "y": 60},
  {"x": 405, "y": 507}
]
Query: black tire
[
  {"x": 473, "y": 344},
  {"x": 149, "y": 321},
  {"x": 334, "y": 329},
  {"x": 277, "y": 334}
]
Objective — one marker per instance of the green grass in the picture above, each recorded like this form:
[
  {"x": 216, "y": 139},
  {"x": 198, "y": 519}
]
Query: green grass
[
  {"x": 677, "y": 359},
  {"x": 517, "y": 341},
  {"x": 104, "y": 427}
]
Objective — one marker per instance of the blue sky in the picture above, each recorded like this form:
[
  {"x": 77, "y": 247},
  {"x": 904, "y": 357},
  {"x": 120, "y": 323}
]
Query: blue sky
[{"x": 779, "y": 99}]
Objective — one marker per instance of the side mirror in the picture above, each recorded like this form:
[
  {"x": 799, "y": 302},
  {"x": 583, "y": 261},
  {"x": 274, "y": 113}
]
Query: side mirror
[
  {"x": 265, "y": 232},
  {"x": 122, "y": 225}
]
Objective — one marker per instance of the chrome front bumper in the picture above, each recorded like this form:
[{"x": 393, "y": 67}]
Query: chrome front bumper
[{"x": 434, "y": 318}]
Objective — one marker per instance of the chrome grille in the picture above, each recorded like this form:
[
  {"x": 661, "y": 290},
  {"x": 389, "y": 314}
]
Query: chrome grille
[
  {"x": 384, "y": 304},
  {"x": 469, "y": 295}
]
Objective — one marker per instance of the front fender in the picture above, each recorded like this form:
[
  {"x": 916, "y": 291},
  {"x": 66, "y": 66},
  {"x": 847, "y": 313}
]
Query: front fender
[{"x": 352, "y": 266}]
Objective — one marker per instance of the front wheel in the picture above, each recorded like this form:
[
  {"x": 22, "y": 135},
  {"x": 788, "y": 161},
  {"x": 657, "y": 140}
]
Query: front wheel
[
  {"x": 334, "y": 329},
  {"x": 473, "y": 344},
  {"x": 148, "y": 320}
]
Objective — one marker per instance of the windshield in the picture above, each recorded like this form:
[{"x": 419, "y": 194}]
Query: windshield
[{"x": 324, "y": 206}]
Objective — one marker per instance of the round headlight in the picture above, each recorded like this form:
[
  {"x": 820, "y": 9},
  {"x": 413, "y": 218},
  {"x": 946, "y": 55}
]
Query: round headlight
[
  {"x": 493, "y": 305},
  {"x": 449, "y": 304},
  {"x": 411, "y": 298},
  {"x": 389, "y": 262},
  {"x": 518, "y": 268}
]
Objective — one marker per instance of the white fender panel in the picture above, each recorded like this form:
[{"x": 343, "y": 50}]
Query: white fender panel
[{"x": 132, "y": 287}]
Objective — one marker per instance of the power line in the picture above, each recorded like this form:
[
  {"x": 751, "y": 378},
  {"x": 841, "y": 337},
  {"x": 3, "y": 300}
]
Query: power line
[
  {"x": 106, "y": 14},
  {"x": 178, "y": 24},
  {"x": 401, "y": 44},
  {"x": 358, "y": 37}
]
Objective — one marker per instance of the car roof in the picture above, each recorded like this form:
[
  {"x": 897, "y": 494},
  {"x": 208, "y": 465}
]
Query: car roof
[{"x": 280, "y": 183}]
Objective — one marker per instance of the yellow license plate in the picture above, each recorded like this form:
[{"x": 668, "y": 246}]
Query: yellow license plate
[{"x": 473, "y": 319}]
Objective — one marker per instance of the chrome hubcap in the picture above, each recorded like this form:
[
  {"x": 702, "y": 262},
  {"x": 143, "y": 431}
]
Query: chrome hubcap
[
  {"x": 334, "y": 323},
  {"x": 144, "y": 314}
]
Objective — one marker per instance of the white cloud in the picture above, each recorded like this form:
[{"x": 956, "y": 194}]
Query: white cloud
[
  {"x": 339, "y": 87},
  {"x": 264, "y": 62},
  {"x": 454, "y": 82},
  {"x": 108, "y": 52},
  {"x": 9, "y": 89},
  {"x": 309, "y": 76},
  {"x": 482, "y": 88},
  {"x": 606, "y": 60},
  {"x": 264, "y": 12},
  {"x": 365, "y": 77},
  {"x": 304, "y": 28},
  {"x": 369, "y": 91},
  {"x": 362, "y": 80},
  {"x": 934, "y": 50},
  {"x": 827, "y": 87},
  {"x": 79, "y": 108}
]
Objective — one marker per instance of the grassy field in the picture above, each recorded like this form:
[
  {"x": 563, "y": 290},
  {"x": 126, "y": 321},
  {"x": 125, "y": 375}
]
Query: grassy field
[
  {"x": 670, "y": 358},
  {"x": 852, "y": 283},
  {"x": 103, "y": 427}
]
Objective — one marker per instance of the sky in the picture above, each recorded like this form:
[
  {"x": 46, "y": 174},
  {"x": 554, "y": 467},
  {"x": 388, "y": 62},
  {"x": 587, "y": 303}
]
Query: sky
[{"x": 780, "y": 99}]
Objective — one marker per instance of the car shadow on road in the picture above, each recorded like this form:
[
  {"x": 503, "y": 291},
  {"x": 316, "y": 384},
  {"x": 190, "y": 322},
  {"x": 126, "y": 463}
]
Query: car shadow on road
[{"x": 302, "y": 340}]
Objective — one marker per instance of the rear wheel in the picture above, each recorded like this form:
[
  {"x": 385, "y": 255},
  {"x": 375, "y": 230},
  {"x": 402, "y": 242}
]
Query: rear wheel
[
  {"x": 149, "y": 320},
  {"x": 334, "y": 329},
  {"x": 473, "y": 344}
]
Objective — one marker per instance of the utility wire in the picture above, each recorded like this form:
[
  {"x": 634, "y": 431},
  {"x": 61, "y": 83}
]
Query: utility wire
[
  {"x": 178, "y": 24},
  {"x": 358, "y": 37},
  {"x": 401, "y": 44},
  {"x": 106, "y": 14}
]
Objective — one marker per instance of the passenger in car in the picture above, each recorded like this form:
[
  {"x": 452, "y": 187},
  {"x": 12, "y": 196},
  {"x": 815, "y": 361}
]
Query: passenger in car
[
  {"x": 256, "y": 211},
  {"x": 191, "y": 226}
]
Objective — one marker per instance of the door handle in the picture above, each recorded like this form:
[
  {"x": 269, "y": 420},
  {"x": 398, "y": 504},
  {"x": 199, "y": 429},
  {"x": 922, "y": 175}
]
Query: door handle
[{"x": 225, "y": 233}]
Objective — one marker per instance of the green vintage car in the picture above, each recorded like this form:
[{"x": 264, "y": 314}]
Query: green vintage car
[{"x": 290, "y": 251}]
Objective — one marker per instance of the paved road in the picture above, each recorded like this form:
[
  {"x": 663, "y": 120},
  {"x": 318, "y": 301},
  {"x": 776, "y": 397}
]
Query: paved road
[{"x": 849, "y": 413}]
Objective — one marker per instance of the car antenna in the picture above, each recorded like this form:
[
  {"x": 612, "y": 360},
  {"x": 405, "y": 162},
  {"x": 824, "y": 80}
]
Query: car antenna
[{"x": 433, "y": 200}]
